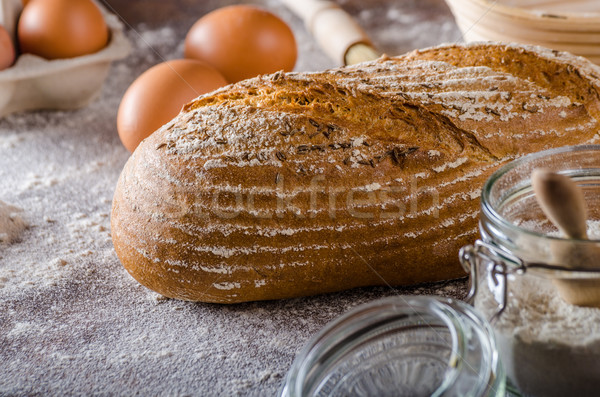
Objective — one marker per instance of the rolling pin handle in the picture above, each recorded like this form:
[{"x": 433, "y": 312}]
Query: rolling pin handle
[{"x": 333, "y": 28}]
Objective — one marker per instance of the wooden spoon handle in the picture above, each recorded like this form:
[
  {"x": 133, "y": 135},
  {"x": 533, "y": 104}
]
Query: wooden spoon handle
[{"x": 562, "y": 201}]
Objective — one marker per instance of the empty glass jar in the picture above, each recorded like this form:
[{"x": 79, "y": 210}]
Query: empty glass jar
[{"x": 400, "y": 346}]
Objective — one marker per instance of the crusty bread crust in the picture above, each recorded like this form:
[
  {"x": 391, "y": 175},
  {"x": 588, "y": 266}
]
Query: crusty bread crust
[{"x": 303, "y": 183}]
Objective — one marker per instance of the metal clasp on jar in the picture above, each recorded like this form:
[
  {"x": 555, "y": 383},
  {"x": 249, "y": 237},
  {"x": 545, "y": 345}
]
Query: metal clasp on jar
[
  {"x": 500, "y": 264},
  {"x": 498, "y": 271}
]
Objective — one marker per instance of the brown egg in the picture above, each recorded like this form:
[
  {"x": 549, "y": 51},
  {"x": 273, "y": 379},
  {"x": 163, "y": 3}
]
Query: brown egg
[
  {"x": 7, "y": 49},
  {"x": 61, "y": 28},
  {"x": 241, "y": 42},
  {"x": 158, "y": 95}
]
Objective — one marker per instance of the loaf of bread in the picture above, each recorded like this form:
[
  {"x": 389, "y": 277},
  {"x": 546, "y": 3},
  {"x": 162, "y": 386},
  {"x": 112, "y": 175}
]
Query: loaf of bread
[{"x": 304, "y": 183}]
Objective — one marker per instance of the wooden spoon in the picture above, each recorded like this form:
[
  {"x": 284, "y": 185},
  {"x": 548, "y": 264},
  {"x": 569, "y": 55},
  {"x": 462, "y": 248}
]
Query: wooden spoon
[{"x": 563, "y": 203}]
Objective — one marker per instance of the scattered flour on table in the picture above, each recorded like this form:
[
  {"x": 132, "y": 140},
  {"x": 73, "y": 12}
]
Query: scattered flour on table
[
  {"x": 72, "y": 321},
  {"x": 11, "y": 223}
]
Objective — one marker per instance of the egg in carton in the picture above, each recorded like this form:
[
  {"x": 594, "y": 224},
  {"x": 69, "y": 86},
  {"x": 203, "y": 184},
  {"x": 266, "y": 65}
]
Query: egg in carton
[{"x": 37, "y": 83}]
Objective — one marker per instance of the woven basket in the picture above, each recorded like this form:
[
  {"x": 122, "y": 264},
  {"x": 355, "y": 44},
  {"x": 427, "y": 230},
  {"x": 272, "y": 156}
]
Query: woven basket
[{"x": 572, "y": 26}]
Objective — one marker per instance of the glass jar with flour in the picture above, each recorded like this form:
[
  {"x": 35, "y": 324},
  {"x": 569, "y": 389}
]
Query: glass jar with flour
[{"x": 543, "y": 304}]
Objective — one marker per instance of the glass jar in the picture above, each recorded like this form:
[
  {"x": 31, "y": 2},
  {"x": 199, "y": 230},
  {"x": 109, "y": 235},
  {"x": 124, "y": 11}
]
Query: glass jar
[
  {"x": 548, "y": 347},
  {"x": 400, "y": 346}
]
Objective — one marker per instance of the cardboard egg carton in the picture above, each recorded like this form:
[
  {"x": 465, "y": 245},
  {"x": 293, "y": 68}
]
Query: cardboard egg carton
[{"x": 33, "y": 82}]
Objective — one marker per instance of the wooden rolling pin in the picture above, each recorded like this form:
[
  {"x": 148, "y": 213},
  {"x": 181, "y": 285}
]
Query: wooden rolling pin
[
  {"x": 335, "y": 30},
  {"x": 563, "y": 203}
]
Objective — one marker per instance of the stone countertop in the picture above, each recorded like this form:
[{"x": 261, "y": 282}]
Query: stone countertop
[{"x": 72, "y": 321}]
